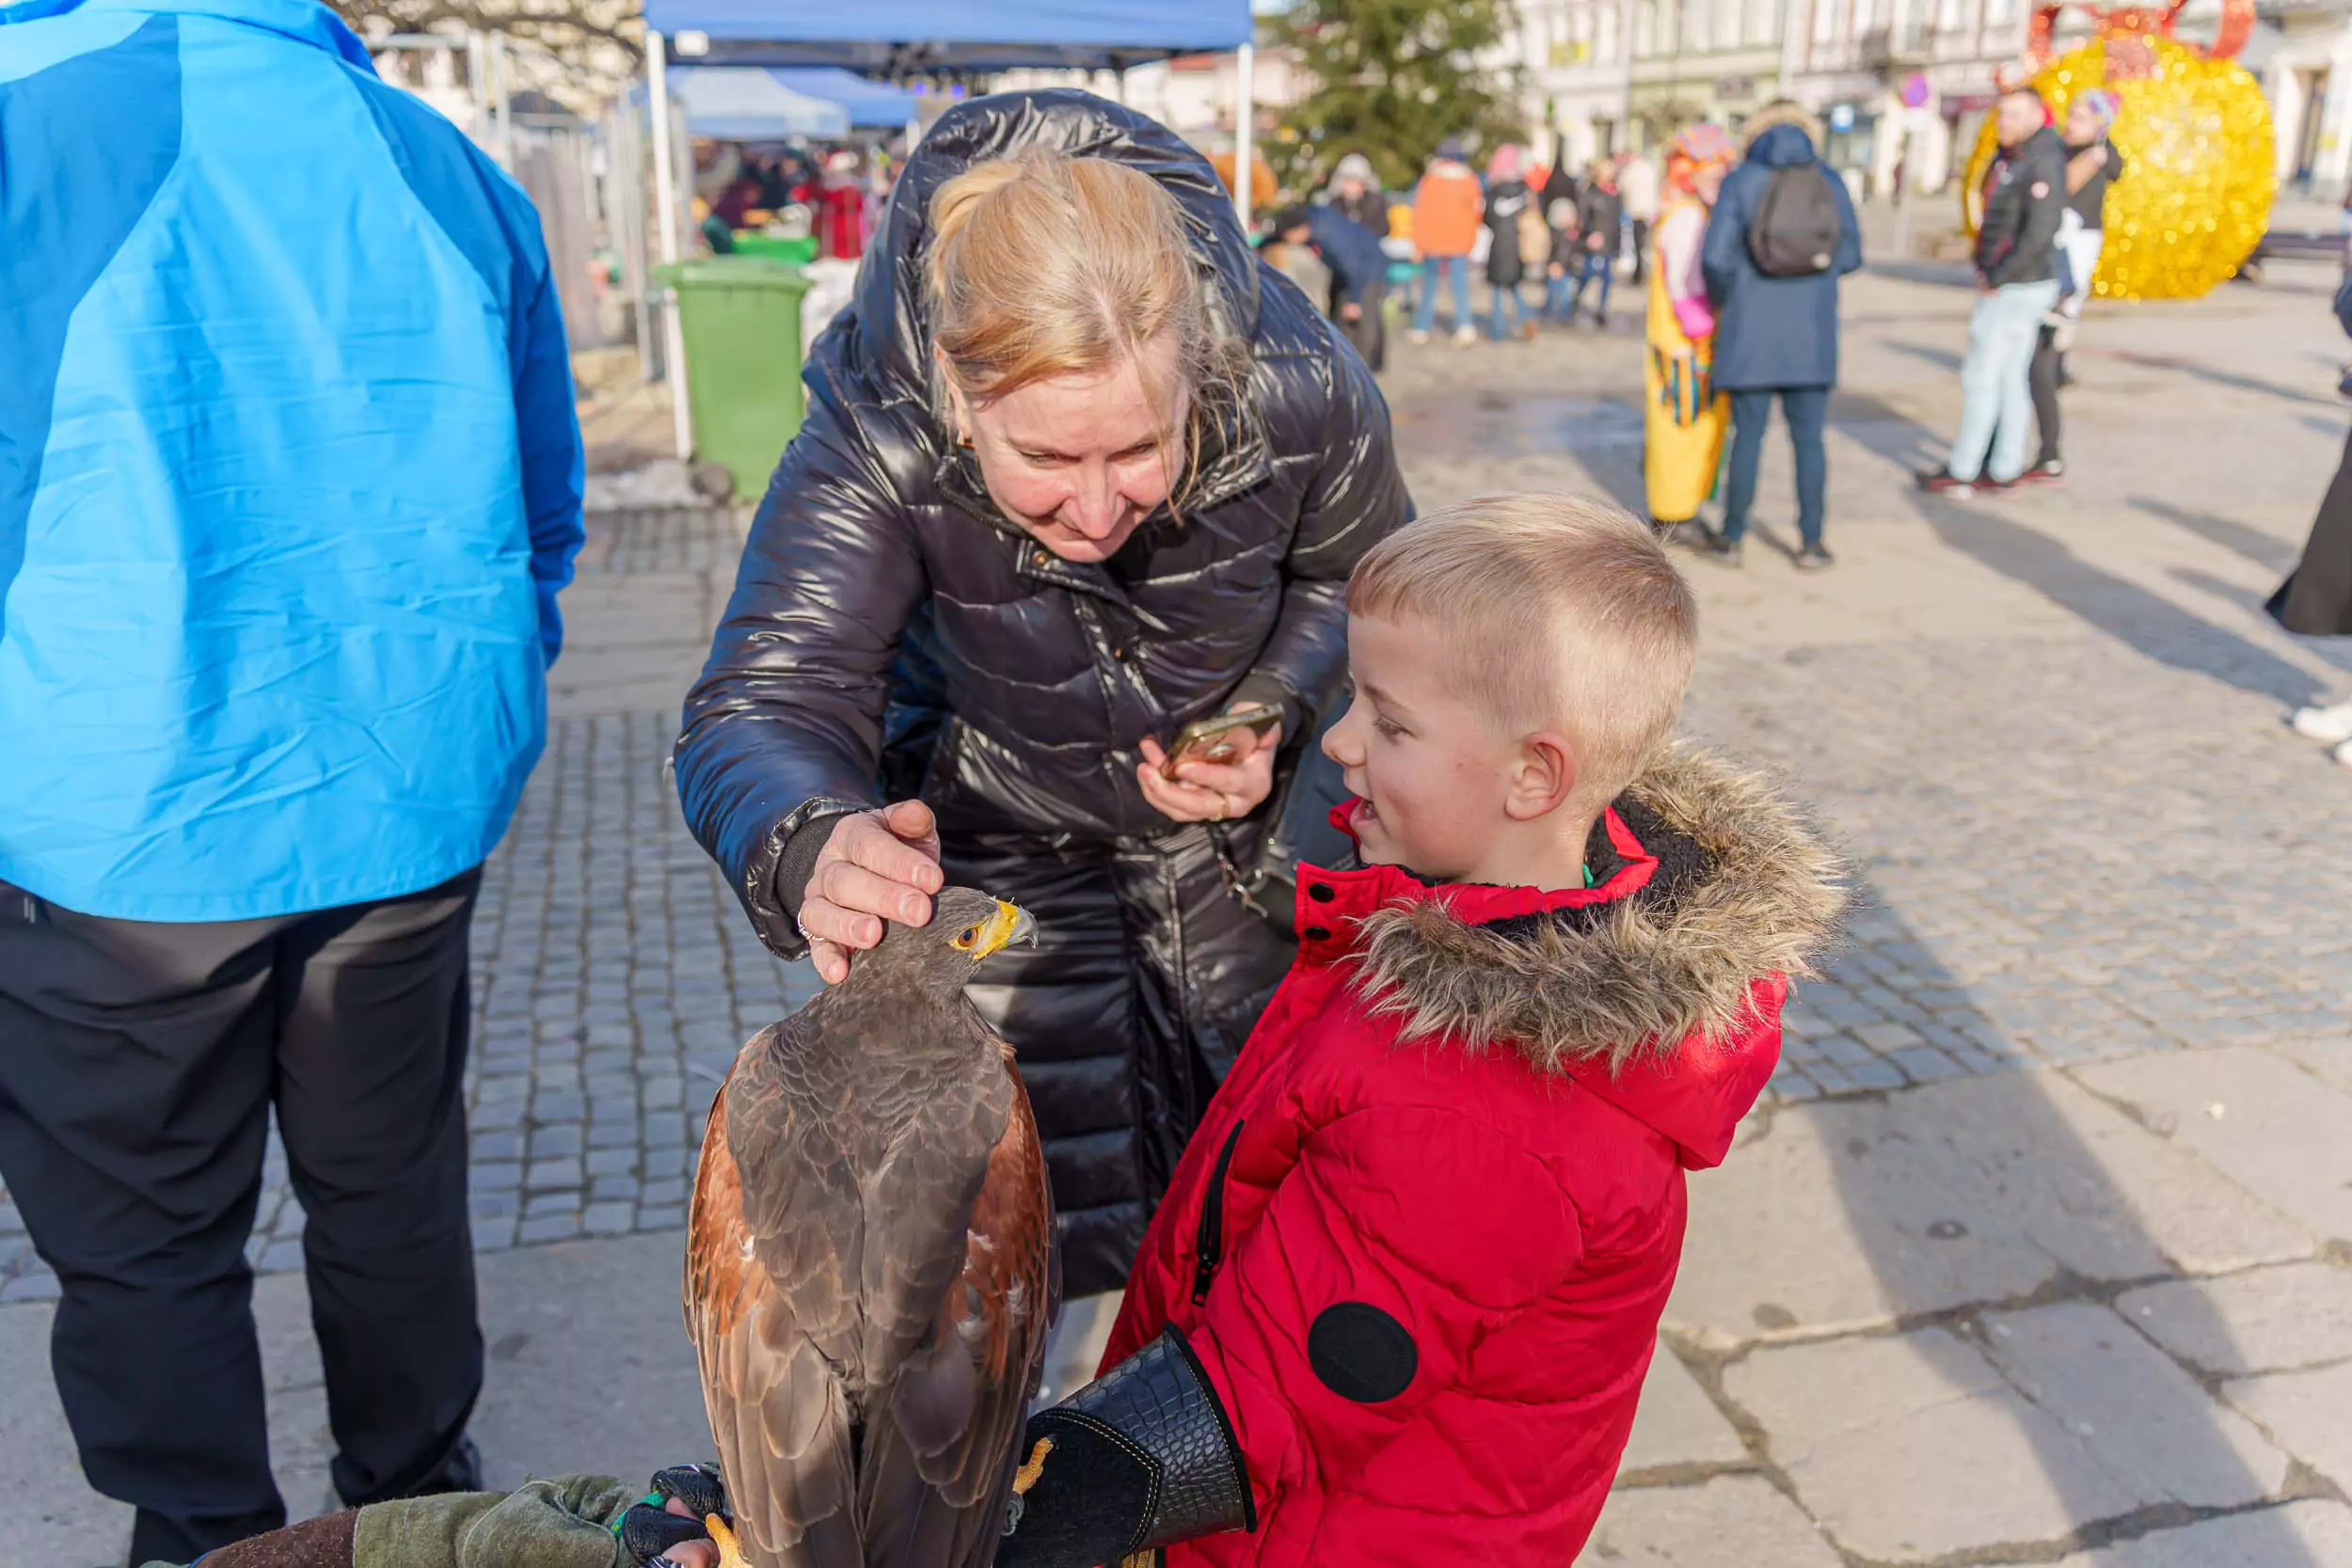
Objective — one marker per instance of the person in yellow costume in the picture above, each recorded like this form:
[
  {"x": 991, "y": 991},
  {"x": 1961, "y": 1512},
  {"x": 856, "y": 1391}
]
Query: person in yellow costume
[{"x": 1686, "y": 417}]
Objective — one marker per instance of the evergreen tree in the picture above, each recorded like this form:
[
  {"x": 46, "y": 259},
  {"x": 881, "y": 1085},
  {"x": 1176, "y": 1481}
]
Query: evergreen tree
[{"x": 1391, "y": 78}]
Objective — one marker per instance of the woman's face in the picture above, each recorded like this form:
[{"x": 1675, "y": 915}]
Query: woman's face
[
  {"x": 1080, "y": 460},
  {"x": 2082, "y": 123},
  {"x": 1708, "y": 182}
]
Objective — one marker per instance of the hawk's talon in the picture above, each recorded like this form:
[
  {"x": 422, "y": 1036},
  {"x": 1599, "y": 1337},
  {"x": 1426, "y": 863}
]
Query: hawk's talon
[{"x": 730, "y": 1550}]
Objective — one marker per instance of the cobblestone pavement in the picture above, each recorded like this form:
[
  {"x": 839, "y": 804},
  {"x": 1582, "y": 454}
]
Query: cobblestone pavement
[{"x": 2039, "y": 1251}]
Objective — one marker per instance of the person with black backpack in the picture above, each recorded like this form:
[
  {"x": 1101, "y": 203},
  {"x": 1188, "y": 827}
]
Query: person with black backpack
[{"x": 1781, "y": 234}]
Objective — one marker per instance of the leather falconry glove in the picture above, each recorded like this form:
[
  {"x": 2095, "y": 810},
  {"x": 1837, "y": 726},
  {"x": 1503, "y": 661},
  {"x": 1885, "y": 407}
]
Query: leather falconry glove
[{"x": 1141, "y": 1457}]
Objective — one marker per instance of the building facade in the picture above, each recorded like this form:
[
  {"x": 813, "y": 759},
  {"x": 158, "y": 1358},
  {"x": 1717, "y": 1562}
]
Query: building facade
[
  {"x": 2302, "y": 52},
  {"x": 1716, "y": 60},
  {"x": 1902, "y": 86},
  {"x": 1574, "y": 59}
]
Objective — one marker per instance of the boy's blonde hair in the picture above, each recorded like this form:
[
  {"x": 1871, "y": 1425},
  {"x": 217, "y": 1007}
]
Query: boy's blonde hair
[{"x": 1562, "y": 612}]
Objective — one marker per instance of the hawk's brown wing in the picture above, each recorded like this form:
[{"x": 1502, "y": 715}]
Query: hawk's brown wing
[
  {"x": 771, "y": 1309},
  {"x": 937, "y": 1461}
]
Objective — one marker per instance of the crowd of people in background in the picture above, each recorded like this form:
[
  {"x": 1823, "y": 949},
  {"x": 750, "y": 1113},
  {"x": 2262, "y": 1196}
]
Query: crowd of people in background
[
  {"x": 841, "y": 188},
  {"x": 1743, "y": 242},
  {"x": 1742, "y": 302}
]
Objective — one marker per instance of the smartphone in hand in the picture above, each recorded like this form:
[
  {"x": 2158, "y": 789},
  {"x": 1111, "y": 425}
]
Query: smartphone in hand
[{"x": 1221, "y": 742}]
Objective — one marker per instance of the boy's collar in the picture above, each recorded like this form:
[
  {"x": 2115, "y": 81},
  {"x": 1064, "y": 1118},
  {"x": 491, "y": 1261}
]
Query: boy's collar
[{"x": 1617, "y": 866}]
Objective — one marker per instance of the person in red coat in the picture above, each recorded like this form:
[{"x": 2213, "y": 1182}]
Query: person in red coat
[{"x": 1398, "y": 1302}]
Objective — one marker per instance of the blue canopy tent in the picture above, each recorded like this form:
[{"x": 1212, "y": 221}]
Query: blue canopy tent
[
  {"x": 869, "y": 102},
  {"x": 897, "y": 38},
  {"x": 901, "y": 37},
  {"x": 736, "y": 104}
]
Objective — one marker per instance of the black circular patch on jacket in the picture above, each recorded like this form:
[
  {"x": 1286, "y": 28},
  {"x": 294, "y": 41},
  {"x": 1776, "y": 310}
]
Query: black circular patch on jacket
[{"x": 1360, "y": 1353}]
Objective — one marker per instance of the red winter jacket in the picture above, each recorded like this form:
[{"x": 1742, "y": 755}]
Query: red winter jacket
[{"x": 1421, "y": 1240}]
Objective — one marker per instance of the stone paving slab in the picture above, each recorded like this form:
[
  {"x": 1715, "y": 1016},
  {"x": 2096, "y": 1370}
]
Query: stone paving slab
[
  {"x": 2328, "y": 1059},
  {"x": 1909, "y": 1447},
  {"x": 2261, "y": 1120},
  {"x": 2265, "y": 1320},
  {"x": 1678, "y": 1426},
  {"x": 1855, "y": 1213},
  {"x": 1728, "y": 1522},
  {"x": 2309, "y": 1413},
  {"x": 2136, "y": 1413},
  {"x": 589, "y": 1370},
  {"x": 2313, "y": 1534}
]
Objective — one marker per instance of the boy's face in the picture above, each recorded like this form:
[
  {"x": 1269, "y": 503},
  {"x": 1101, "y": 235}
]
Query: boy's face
[{"x": 1434, "y": 770}]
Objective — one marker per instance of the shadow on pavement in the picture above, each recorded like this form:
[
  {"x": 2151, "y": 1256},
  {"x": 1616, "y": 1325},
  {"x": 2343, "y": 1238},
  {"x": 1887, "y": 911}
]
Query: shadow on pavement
[
  {"x": 1886, "y": 431},
  {"x": 1941, "y": 275},
  {"x": 2266, "y": 550},
  {"x": 2000, "y": 1218},
  {"x": 2144, "y": 620},
  {"x": 1933, "y": 353},
  {"x": 2204, "y": 372}
]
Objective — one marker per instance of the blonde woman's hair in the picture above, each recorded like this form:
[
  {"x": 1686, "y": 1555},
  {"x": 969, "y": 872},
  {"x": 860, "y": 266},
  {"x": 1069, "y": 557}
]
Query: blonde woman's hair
[
  {"x": 1044, "y": 264},
  {"x": 1561, "y": 611}
]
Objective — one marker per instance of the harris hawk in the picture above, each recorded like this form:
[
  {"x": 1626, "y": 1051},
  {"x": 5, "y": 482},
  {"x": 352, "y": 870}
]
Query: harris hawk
[{"x": 869, "y": 1266}]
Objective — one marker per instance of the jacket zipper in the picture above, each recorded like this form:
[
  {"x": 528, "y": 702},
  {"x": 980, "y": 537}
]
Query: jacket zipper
[{"x": 1208, "y": 1243}]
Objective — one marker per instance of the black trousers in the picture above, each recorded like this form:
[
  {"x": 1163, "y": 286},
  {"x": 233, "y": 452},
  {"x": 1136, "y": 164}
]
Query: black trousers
[
  {"x": 1368, "y": 332},
  {"x": 2041, "y": 376},
  {"x": 138, "y": 1064}
]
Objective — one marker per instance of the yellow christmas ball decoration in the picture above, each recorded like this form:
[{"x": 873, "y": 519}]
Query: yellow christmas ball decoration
[{"x": 2199, "y": 170}]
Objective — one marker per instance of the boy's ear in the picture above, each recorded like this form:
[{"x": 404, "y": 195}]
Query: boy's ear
[{"x": 1544, "y": 778}]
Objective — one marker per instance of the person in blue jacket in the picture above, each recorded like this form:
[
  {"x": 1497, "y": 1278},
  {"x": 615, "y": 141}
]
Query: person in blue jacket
[
  {"x": 289, "y": 477},
  {"x": 1775, "y": 337},
  {"x": 1359, "y": 273}
]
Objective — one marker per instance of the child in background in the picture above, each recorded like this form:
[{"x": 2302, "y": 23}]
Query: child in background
[
  {"x": 1399, "y": 1301},
  {"x": 1567, "y": 263}
]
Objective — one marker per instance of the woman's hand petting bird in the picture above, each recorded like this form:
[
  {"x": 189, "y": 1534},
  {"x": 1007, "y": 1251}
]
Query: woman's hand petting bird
[{"x": 877, "y": 865}]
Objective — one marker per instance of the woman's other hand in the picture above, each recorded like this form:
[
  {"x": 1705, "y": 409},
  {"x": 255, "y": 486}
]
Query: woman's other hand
[
  {"x": 877, "y": 865},
  {"x": 1206, "y": 791}
]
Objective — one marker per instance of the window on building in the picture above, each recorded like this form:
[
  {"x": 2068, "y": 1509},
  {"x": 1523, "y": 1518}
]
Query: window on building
[
  {"x": 1764, "y": 21},
  {"x": 1728, "y": 23},
  {"x": 1645, "y": 27},
  {"x": 1825, "y": 20},
  {"x": 1604, "y": 24},
  {"x": 1998, "y": 13},
  {"x": 1949, "y": 15}
]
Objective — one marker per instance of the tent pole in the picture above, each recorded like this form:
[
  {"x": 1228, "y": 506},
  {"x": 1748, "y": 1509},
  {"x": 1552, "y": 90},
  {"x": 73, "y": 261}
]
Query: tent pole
[
  {"x": 499, "y": 96},
  {"x": 1245, "y": 128},
  {"x": 665, "y": 235}
]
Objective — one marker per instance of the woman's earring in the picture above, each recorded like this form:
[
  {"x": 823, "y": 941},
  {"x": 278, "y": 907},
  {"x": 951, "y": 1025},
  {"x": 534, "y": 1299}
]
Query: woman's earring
[{"x": 964, "y": 440}]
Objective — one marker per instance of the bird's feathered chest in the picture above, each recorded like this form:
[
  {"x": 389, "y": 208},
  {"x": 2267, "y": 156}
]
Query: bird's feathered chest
[{"x": 862, "y": 1134}]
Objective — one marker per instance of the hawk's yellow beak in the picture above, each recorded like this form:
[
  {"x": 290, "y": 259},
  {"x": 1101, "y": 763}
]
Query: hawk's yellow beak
[{"x": 1009, "y": 924}]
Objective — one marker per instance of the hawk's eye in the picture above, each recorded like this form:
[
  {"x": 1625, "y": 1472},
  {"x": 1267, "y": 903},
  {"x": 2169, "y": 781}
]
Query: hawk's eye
[{"x": 965, "y": 942}]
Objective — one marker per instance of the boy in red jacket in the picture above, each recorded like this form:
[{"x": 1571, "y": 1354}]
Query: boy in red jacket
[{"x": 1397, "y": 1303}]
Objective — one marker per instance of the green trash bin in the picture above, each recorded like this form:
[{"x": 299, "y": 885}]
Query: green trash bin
[
  {"x": 740, "y": 317},
  {"x": 798, "y": 252}
]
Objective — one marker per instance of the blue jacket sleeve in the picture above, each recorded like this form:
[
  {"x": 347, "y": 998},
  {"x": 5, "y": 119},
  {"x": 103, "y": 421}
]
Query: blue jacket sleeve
[
  {"x": 554, "y": 463},
  {"x": 1723, "y": 253},
  {"x": 1849, "y": 228}
]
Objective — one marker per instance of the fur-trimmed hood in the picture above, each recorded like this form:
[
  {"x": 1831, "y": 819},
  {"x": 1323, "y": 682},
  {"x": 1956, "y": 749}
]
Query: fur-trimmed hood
[{"x": 1742, "y": 890}]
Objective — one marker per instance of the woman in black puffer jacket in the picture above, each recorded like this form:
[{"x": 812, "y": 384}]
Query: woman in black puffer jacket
[{"x": 969, "y": 586}]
